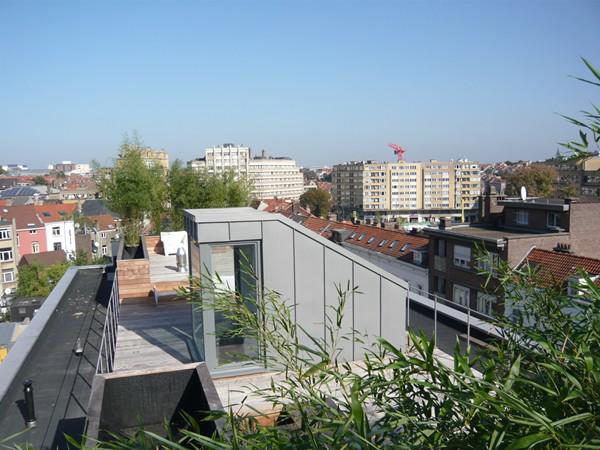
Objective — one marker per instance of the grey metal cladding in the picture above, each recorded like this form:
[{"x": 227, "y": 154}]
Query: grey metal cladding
[
  {"x": 393, "y": 312},
  {"x": 245, "y": 231},
  {"x": 213, "y": 232},
  {"x": 310, "y": 301},
  {"x": 278, "y": 259},
  {"x": 338, "y": 274},
  {"x": 366, "y": 306}
]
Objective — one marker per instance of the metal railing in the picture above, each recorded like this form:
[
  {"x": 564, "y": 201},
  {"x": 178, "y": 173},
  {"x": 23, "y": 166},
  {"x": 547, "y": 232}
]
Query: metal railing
[
  {"x": 108, "y": 345},
  {"x": 446, "y": 320}
]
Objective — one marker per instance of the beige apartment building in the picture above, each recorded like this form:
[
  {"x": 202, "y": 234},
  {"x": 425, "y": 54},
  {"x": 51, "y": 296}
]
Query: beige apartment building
[
  {"x": 155, "y": 157},
  {"x": 269, "y": 177},
  {"x": 390, "y": 187}
]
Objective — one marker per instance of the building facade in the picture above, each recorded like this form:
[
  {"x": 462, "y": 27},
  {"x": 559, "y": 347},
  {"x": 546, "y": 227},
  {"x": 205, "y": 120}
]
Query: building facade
[
  {"x": 583, "y": 177},
  {"x": 59, "y": 227},
  {"x": 508, "y": 233},
  {"x": 9, "y": 256},
  {"x": 275, "y": 177},
  {"x": 269, "y": 177},
  {"x": 391, "y": 188},
  {"x": 30, "y": 229},
  {"x": 158, "y": 158}
]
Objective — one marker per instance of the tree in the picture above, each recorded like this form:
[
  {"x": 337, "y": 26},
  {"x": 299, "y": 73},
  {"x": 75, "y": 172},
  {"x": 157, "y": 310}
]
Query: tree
[
  {"x": 539, "y": 179},
  {"x": 38, "y": 281},
  {"x": 40, "y": 180},
  {"x": 2, "y": 171},
  {"x": 190, "y": 189},
  {"x": 133, "y": 190},
  {"x": 589, "y": 125},
  {"x": 318, "y": 200}
]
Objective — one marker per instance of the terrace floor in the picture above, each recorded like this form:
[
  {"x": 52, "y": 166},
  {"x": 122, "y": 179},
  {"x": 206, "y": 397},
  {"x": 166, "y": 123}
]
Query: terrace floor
[
  {"x": 164, "y": 268},
  {"x": 152, "y": 336}
]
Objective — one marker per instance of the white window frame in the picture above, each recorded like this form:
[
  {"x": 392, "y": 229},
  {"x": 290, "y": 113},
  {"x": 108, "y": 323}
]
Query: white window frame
[
  {"x": 55, "y": 231},
  {"x": 485, "y": 303},
  {"x": 35, "y": 247},
  {"x": 555, "y": 222},
  {"x": 57, "y": 244},
  {"x": 6, "y": 254},
  {"x": 5, "y": 234},
  {"x": 488, "y": 262},
  {"x": 462, "y": 256},
  {"x": 32, "y": 231},
  {"x": 104, "y": 250},
  {"x": 12, "y": 276},
  {"x": 463, "y": 296},
  {"x": 522, "y": 217}
]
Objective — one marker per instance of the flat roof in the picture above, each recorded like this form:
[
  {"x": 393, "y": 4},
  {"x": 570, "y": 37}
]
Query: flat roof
[
  {"x": 240, "y": 214},
  {"x": 485, "y": 233},
  {"x": 44, "y": 353},
  {"x": 552, "y": 204}
]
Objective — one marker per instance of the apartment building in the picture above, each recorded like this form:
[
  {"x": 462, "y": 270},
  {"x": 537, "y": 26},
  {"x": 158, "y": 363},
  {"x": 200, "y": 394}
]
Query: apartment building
[
  {"x": 59, "y": 226},
  {"x": 393, "y": 189},
  {"x": 30, "y": 229},
  {"x": 155, "y": 157},
  {"x": 269, "y": 176},
  {"x": 224, "y": 158},
  {"x": 9, "y": 256},
  {"x": 508, "y": 232},
  {"x": 275, "y": 177},
  {"x": 97, "y": 233},
  {"x": 583, "y": 176}
]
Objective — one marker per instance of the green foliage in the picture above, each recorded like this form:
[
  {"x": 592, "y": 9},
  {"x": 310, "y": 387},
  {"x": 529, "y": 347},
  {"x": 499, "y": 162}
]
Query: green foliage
[
  {"x": 38, "y": 179},
  {"x": 589, "y": 125},
  {"x": 540, "y": 180},
  {"x": 318, "y": 200},
  {"x": 2, "y": 171},
  {"x": 83, "y": 258},
  {"x": 38, "y": 281},
  {"x": 538, "y": 387},
  {"x": 190, "y": 189},
  {"x": 134, "y": 191}
]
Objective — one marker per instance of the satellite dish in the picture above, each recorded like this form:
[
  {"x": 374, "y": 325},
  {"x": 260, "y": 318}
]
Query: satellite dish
[
  {"x": 7, "y": 291},
  {"x": 523, "y": 193}
]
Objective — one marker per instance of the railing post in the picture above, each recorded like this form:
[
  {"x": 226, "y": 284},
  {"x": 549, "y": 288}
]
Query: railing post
[{"x": 435, "y": 304}]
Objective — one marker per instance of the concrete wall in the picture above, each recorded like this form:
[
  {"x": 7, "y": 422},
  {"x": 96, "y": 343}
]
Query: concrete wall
[
  {"x": 307, "y": 270},
  {"x": 585, "y": 229}
]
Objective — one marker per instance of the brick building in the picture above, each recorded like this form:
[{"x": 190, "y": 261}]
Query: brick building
[{"x": 509, "y": 230}]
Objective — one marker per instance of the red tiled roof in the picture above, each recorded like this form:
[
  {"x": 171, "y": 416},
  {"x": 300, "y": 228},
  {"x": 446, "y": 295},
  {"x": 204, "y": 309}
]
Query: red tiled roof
[
  {"x": 395, "y": 243},
  {"x": 276, "y": 205},
  {"x": 44, "y": 258},
  {"x": 55, "y": 213},
  {"x": 24, "y": 215},
  {"x": 324, "y": 227},
  {"x": 555, "y": 268},
  {"x": 105, "y": 222}
]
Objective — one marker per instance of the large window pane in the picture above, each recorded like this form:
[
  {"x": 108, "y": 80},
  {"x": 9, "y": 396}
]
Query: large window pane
[{"x": 233, "y": 269}]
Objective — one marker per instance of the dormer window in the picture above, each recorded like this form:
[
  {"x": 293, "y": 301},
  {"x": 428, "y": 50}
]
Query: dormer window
[
  {"x": 371, "y": 239},
  {"x": 382, "y": 243},
  {"x": 393, "y": 244},
  {"x": 362, "y": 236}
]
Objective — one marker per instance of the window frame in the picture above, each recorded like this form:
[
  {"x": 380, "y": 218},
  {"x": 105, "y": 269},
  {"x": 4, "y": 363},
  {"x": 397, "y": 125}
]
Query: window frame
[
  {"x": 459, "y": 287},
  {"x": 4, "y": 252},
  {"x": 461, "y": 261},
  {"x": 56, "y": 231},
  {"x": 5, "y": 234}
]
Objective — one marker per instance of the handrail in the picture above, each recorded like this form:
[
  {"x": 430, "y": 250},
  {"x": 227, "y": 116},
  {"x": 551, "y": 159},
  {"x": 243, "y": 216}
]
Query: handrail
[{"x": 108, "y": 345}]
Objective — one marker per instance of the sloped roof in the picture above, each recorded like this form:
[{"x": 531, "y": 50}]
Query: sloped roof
[
  {"x": 104, "y": 222},
  {"x": 44, "y": 258},
  {"x": 19, "y": 191},
  {"x": 555, "y": 268},
  {"x": 325, "y": 227},
  {"x": 55, "y": 213},
  {"x": 24, "y": 215},
  {"x": 395, "y": 243}
]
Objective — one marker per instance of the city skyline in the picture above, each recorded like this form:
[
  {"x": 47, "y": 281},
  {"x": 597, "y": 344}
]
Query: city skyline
[{"x": 316, "y": 82}]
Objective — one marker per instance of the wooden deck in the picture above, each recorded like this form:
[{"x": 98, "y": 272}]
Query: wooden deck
[{"x": 152, "y": 336}]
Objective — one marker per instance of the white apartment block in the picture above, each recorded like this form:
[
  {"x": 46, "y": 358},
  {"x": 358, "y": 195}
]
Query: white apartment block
[
  {"x": 275, "y": 177},
  {"x": 403, "y": 185},
  {"x": 269, "y": 177}
]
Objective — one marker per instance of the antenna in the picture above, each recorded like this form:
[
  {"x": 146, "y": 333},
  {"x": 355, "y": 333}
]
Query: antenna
[{"x": 523, "y": 193}]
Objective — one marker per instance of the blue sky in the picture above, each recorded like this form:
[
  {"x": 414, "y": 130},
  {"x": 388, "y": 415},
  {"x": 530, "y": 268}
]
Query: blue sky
[{"x": 321, "y": 81}]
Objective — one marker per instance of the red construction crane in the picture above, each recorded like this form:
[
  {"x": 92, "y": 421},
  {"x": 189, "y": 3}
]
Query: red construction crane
[{"x": 398, "y": 151}]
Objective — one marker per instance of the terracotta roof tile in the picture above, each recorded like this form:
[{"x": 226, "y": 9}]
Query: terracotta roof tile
[
  {"x": 55, "y": 213},
  {"x": 555, "y": 268},
  {"x": 395, "y": 243},
  {"x": 104, "y": 222},
  {"x": 44, "y": 258},
  {"x": 24, "y": 215}
]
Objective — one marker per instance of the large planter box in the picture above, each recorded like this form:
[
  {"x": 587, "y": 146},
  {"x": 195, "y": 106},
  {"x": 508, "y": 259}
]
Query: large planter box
[{"x": 124, "y": 402}]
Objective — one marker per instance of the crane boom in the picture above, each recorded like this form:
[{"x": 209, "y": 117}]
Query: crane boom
[{"x": 398, "y": 151}]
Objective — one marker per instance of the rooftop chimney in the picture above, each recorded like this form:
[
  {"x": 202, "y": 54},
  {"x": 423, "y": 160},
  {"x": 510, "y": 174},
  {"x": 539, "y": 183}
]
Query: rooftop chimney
[{"x": 443, "y": 223}]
